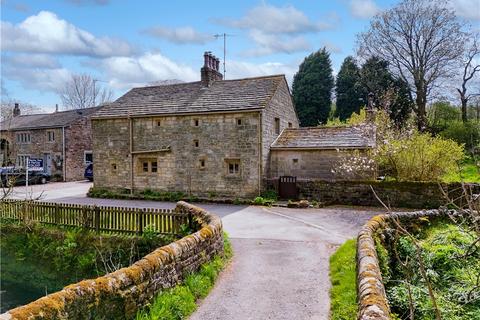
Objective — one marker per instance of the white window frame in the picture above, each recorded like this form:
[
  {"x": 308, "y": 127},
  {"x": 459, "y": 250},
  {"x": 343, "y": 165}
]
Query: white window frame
[
  {"x": 50, "y": 134},
  {"x": 21, "y": 160}
]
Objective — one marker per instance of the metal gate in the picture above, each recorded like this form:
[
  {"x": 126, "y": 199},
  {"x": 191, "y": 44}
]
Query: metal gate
[{"x": 287, "y": 187}]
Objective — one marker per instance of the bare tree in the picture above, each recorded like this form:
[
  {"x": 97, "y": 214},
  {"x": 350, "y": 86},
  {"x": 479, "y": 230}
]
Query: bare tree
[
  {"x": 83, "y": 91},
  {"x": 421, "y": 40},
  {"x": 470, "y": 67},
  {"x": 7, "y": 105}
]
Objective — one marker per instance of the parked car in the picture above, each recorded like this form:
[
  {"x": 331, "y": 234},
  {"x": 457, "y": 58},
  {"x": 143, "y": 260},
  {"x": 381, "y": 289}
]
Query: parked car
[
  {"x": 89, "y": 172},
  {"x": 11, "y": 175}
]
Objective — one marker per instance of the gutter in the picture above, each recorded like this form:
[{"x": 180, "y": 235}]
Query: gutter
[
  {"x": 260, "y": 152},
  {"x": 130, "y": 124},
  {"x": 64, "y": 156},
  {"x": 253, "y": 110}
]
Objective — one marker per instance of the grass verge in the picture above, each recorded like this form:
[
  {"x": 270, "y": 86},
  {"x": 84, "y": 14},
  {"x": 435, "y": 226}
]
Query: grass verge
[
  {"x": 468, "y": 171},
  {"x": 180, "y": 301},
  {"x": 343, "y": 294}
]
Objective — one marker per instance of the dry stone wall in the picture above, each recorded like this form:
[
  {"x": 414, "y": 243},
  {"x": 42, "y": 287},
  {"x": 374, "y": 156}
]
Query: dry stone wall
[
  {"x": 395, "y": 194},
  {"x": 372, "y": 300},
  {"x": 120, "y": 294}
]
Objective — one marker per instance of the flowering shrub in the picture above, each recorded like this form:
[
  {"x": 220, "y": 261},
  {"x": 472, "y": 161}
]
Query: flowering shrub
[
  {"x": 419, "y": 157},
  {"x": 403, "y": 154},
  {"x": 355, "y": 165}
]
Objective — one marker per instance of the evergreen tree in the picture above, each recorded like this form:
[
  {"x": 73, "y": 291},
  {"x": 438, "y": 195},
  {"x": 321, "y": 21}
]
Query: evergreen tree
[
  {"x": 348, "y": 90},
  {"x": 312, "y": 88},
  {"x": 390, "y": 93}
]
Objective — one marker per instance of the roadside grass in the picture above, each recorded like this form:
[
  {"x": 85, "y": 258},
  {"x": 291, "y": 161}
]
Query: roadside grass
[
  {"x": 343, "y": 294},
  {"x": 180, "y": 301},
  {"x": 469, "y": 171}
]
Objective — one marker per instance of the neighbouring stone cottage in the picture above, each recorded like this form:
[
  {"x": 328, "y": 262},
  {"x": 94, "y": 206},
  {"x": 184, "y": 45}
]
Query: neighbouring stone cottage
[
  {"x": 209, "y": 138},
  {"x": 62, "y": 139}
]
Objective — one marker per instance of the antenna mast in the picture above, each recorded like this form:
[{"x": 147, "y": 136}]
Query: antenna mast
[{"x": 224, "y": 35}]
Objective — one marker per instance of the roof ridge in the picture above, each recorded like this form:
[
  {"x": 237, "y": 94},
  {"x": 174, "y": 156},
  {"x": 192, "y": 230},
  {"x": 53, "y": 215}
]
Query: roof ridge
[{"x": 227, "y": 80}]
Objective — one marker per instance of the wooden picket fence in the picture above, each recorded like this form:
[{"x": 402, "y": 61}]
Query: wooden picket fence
[{"x": 98, "y": 218}]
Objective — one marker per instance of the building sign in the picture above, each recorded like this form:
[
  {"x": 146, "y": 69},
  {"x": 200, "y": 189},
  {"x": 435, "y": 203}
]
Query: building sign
[{"x": 35, "y": 164}]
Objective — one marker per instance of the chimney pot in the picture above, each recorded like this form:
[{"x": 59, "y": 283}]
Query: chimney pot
[
  {"x": 209, "y": 72},
  {"x": 205, "y": 59},
  {"x": 16, "y": 110}
]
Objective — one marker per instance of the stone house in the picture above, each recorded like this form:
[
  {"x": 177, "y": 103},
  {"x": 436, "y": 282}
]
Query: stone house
[
  {"x": 313, "y": 152},
  {"x": 209, "y": 138},
  {"x": 63, "y": 140}
]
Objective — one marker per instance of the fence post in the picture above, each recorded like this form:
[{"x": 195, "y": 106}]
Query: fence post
[
  {"x": 57, "y": 214},
  {"x": 140, "y": 221},
  {"x": 97, "y": 218},
  {"x": 24, "y": 211}
]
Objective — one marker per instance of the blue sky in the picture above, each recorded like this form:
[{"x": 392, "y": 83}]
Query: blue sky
[{"x": 132, "y": 43}]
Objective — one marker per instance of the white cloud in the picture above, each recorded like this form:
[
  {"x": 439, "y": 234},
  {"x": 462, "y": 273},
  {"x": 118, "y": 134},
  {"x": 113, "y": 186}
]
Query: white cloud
[
  {"x": 46, "y": 33},
  {"x": 240, "y": 69},
  {"x": 128, "y": 72},
  {"x": 278, "y": 29},
  {"x": 271, "y": 19},
  {"x": 23, "y": 60},
  {"x": 272, "y": 43},
  {"x": 468, "y": 9},
  {"x": 48, "y": 79},
  {"x": 182, "y": 35},
  {"x": 364, "y": 9}
]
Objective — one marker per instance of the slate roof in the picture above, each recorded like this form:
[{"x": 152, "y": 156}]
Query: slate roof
[
  {"x": 357, "y": 137},
  {"x": 195, "y": 97},
  {"x": 46, "y": 120}
]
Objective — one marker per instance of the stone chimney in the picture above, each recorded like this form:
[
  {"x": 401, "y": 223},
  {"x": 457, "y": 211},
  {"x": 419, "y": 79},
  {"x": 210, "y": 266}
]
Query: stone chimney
[
  {"x": 56, "y": 107},
  {"x": 16, "y": 110},
  {"x": 209, "y": 72},
  {"x": 370, "y": 110}
]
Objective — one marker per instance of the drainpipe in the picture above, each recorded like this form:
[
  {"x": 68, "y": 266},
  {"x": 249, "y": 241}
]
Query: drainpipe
[
  {"x": 260, "y": 153},
  {"x": 130, "y": 124},
  {"x": 64, "y": 156}
]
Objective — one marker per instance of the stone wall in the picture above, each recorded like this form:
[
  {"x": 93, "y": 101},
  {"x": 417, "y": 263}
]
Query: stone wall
[
  {"x": 395, "y": 194},
  {"x": 281, "y": 107},
  {"x": 305, "y": 164},
  {"x": 171, "y": 142},
  {"x": 372, "y": 300},
  {"x": 120, "y": 294},
  {"x": 78, "y": 139}
]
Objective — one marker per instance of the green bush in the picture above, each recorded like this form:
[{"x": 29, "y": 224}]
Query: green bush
[
  {"x": 260, "y": 201},
  {"x": 343, "y": 294},
  {"x": 451, "y": 271},
  {"x": 419, "y": 157},
  {"x": 463, "y": 133},
  {"x": 270, "y": 194}
]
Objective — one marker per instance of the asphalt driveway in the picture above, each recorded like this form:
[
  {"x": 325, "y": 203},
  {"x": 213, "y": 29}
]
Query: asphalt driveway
[
  {"x": 281, "y": 256},
  {"x": 281, "y": 262}
]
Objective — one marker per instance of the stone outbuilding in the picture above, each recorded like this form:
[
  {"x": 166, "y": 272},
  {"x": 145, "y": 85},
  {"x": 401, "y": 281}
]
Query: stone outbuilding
[
  {"x": 314, "y": 152},
  {"x": 209, "y": 138},
  {"x": 63, "y": 140}
]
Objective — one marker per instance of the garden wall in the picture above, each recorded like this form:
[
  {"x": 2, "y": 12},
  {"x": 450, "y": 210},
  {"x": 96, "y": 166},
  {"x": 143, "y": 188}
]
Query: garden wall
[
  {"x": 395, "y": 194},
  {"x": 120, "y": 294},
  {"x": 372, "y": 300}
]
